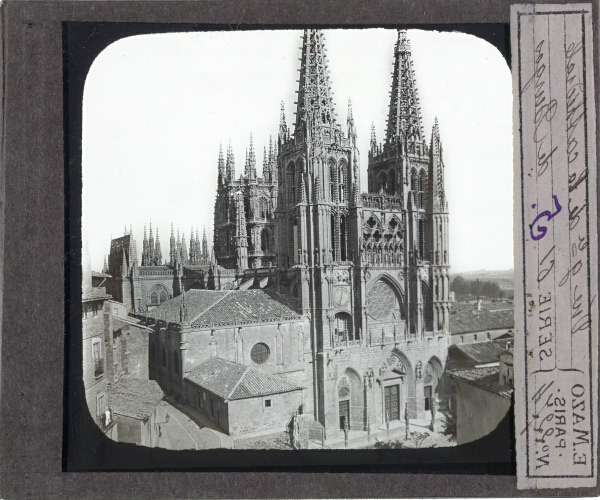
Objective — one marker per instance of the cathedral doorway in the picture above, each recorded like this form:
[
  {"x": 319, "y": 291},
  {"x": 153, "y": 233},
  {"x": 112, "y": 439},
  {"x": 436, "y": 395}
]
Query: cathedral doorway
[
  {"x": 344, "y": 408},
  {"x": 427, "y": 395},
  {"x": 392, "y": 402},
  {"x": 350, "y": 397}
]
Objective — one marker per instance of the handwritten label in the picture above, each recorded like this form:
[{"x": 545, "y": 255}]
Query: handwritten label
[{"x": 556, "y": 288}]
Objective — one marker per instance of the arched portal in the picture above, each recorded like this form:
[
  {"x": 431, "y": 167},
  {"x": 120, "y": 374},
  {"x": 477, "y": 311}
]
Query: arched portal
[
  {"x": 396, "y": 387},
  {"x": 350, "y": 397},
  {"x": 433, "y": 390}
]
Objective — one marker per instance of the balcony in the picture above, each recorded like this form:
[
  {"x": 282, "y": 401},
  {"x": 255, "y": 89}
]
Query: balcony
[{"x": 99, "y": 367}]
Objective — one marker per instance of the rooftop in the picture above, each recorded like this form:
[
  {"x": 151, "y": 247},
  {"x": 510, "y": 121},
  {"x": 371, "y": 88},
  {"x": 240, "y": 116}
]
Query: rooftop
[
  {"x": 95, "y": 294},
  {"x": 485, "y": 378},
  {"x": 465, "y": 317},
  {"x": 119, "y": 323},
  {"x": 231, "y": 380},
  {"x": 209, "y": 307},
  {"x": 134, "y": 398},
  {"x": 482, "y": 352}
]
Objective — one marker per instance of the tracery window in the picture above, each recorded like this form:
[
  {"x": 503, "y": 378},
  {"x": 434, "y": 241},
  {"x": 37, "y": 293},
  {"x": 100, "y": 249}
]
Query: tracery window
[
  {"x": 291, "y": 181},
  {"x": 422, "y": 188},
  {"x": 264, "y": 241},
  {"x": 383, "y": 302}
]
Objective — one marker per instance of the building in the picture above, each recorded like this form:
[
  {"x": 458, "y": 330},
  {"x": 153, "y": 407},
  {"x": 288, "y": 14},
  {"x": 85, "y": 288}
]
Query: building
[
  {"x": 96, "y": 328},
  {"x": 244, "y": 210},
  {"x": 120, "y": 397},
  {"x": 241, "y": 399},
  {"x": 143, "y": 286},
  {"x": 481, "y": 321},
  {"x": 343, "y": 294},
  {"x": 483, "y": 396}
]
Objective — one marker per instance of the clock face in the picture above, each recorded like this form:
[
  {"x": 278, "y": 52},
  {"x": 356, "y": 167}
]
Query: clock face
[{"x": 340, "y": 297}]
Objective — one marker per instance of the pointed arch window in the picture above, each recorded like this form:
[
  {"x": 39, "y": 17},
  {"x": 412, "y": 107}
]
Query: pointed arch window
[
  {"x": 343, "y": 327},
  {"x": 382, "y": 183},
  {"x": 291, "y": 181},
  {"x": 342, "y": 181},
  {"x": 422, "y": 188},
  {"x": 154, "y": 299},
  {"x": 264, "y": 241},
  {"x": 333, "y": 180},
  {"x": 392, "y": 183}
]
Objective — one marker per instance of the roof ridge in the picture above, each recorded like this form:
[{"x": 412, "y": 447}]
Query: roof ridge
[
  {"x": 211, "y": 306},
  {"x": 238, "y": 382}
]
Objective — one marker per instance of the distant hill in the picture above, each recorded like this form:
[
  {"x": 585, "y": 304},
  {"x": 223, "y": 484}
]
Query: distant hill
[{"x": 505, "y": 279}]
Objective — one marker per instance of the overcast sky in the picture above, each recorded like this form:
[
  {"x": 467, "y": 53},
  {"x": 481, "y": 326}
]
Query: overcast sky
[{"x": 156, "y": 108}]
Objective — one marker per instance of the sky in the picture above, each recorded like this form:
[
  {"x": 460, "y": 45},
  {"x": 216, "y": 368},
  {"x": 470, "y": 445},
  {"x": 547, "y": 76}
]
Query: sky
[{"x": 157, "y": 107}]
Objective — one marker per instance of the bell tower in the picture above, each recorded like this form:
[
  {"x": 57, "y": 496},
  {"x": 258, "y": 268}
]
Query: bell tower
[{"x": 317, "y": 192}]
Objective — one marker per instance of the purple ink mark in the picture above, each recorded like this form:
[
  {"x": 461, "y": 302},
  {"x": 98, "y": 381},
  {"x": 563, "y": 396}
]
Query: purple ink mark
[{"x": 549, "y": 216}]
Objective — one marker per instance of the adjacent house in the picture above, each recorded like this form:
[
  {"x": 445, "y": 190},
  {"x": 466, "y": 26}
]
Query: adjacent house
[
  {"x": 483, "y": 397},
  {"x": 242, "y": 399}
]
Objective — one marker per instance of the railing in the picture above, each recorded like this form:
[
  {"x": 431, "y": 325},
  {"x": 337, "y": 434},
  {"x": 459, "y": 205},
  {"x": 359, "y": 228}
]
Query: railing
[{"x": 99, "y": 367}]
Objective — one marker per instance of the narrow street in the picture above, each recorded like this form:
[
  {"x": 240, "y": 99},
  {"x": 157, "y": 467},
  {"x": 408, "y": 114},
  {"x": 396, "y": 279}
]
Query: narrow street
[{"x": 181, "y": 432}]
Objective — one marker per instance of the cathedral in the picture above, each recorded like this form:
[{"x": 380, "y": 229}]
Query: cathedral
[{"x": 337, "y": 298}]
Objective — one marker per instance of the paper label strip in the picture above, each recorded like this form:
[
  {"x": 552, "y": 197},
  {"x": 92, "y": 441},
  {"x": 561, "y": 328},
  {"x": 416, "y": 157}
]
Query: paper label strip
[{"x": 556, "y": 289}]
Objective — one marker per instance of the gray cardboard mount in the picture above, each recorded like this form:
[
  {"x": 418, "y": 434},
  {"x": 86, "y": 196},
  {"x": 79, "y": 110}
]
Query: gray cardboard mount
[{"x": 33, "y": 261}]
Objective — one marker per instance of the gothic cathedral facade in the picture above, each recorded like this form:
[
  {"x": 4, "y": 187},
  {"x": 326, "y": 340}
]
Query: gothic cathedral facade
[{"x": 370, "y": 270}]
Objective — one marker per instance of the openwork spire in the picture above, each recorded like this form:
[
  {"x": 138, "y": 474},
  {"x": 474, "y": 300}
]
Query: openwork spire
[
  {"x": 350, "y": 122},
  {"x": 230, "y": 165},
  {"x": 157, "y": 251},
  {"x": 316, "y": 110},
  {"x": 251, "y": 161},
  {"x": 283, "y": 128},
  {"x": 404, "y": 120},
  {"x": 266, "y": 167},
  {"x": 373, "y": 138},
  {"x": 436, "y": 171},
  {"x": 221, "y": 164}
]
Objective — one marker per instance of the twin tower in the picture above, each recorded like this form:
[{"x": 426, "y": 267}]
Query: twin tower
[{"x": 342, "y": 252}]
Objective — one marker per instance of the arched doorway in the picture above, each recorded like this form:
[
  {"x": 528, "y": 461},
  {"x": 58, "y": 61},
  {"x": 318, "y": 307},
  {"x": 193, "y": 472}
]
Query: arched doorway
[
  {"x": 396, "y": 387},
  {"x": 350, "y": 398},
  {"x": 431, "y": 386}
]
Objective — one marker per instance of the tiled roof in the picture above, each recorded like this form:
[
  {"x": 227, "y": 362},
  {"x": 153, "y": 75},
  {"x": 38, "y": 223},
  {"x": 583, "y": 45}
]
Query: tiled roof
[
  {"x": 96, "y": 274},
  {"x": 231, "y": 380},
  {"x": 134, "y": 398},
  {"x": 465, "y": 318},
  {"x": 482, "y": 352},
  {"x": 248, "y": 306},
  {"x": 196, "y": 302},
  {"x": 95, "y": 294},
  {"x": 484, "y": 378},
  {"x": 119, "y": 323}
]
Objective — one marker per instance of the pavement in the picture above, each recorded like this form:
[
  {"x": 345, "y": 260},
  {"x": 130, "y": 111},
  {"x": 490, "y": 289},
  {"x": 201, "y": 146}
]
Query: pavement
[
  {"x": 211, "y": 436},
  {"x": 181, "y": 432},
  {"x": 397, "y": 432},
  {"x": 188, "y": 429}
]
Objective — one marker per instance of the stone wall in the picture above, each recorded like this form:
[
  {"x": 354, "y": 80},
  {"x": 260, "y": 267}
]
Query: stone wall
[
  {"x": 252, "y": 415},
  {"x": 478, "y": 412}
]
